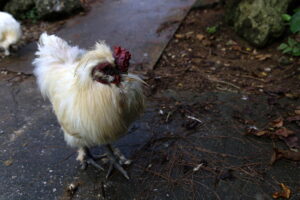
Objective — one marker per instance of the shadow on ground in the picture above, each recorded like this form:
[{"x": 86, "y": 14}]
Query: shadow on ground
[{"x": 166, "y": 144}]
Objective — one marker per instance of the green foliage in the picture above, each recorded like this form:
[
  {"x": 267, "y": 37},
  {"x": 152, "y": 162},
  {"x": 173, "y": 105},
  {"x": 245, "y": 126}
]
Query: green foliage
[
  {"x": 212, "y": 29},
  {"x": 295, "y": 22},
  {"x": 292, "y": 47},
  {"x": 31, "y": 15},
  {"x": 296, "y": 10},
  {"x": 286, "y": 17}
]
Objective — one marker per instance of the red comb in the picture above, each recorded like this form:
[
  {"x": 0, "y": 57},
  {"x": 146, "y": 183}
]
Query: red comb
[{"x": 122, "y": 58}]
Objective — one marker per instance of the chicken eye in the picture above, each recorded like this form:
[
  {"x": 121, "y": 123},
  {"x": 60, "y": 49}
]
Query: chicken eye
[{"x": 109, "y": 70}]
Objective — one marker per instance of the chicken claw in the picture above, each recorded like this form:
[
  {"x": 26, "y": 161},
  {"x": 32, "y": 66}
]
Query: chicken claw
[
  {"x": 89, "y": 160},
  {"x": 114, "y": 162}
]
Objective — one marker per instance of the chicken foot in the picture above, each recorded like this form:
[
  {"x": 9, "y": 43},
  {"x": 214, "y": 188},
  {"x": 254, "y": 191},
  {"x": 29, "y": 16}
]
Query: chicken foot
[
  {"x": 86, "y": 158},
  {"x": 116, "y": 159},
  {"x": 114, "y": 162},
  {"x": 122, "y": 159}
]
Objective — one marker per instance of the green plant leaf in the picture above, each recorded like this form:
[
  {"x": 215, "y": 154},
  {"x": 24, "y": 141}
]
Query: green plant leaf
[
  {"x": 296, "y": 51},
  {"x": 295, "y": 23},
  {"x": 291, "y": 42},
  {"x": 296, "y": 10},
  {"x": 286, "y": 17},
  {"x": 282, "y": 46},
  {"x": 211, "y": 29},
  {"x": 287, "y": 50}
]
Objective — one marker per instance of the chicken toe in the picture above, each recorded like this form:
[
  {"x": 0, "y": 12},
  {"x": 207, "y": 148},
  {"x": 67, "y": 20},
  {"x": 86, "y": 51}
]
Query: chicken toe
[
  {"x": 114, "y": 163},
  {"x": 86, "y": 158}
]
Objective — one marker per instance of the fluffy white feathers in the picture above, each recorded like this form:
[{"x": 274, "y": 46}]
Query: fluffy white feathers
[
  {"x": 10, "y": 31},
  {"x": 90, "y": 113}
]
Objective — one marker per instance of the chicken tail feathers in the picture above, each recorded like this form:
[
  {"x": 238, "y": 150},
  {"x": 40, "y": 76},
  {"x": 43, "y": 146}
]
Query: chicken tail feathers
[
  {"x": 54, "y": 55},
  {"x": 55, "y": 50}
]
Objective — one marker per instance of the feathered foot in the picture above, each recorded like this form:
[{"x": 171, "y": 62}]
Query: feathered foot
[
  {"x": 122, "y": 159},
  {"x": 86, "y": 158},
  {"x": 115, "y": 162},
  {"x": 6, "y": 52}
]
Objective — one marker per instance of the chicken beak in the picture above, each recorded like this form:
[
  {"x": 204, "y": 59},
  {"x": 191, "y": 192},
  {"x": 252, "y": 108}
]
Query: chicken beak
[{"x": 130, "y": 79}]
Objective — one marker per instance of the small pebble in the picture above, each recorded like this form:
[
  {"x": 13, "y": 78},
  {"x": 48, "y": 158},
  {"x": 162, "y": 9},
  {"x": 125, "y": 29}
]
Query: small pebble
[
  {"x": 244, "y": 98},
  {"x": 268, "y": 69}
]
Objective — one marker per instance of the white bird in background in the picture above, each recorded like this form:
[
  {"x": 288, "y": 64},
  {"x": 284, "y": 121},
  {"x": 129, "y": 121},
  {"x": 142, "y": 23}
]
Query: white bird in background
[
  {"x": 93, "y": 96},
  {"x": 10, "y": 31}
]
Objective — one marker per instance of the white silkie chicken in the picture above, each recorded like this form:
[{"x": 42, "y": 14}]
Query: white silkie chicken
[
  {"x": 93, "y": 96},
  {"x": 10, "y": 31}
]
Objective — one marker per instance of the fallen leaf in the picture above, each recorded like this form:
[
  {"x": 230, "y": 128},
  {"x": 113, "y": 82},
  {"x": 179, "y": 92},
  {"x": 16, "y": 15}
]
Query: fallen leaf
[
  {"x": 291, "y": 95},
  {"x": 179, "y": 36},
  {"x": 297, "y": 112},
  {"x": 262, "y": 57},
  {"x": 261, "y": 133},
  {"x": 8, "y": 162},
  {"x": 284, "y": 132},
  {"x": 262, "y": 74},
  {"x": 200, "y": 36},
  {"x": 189, "y": 34},
  {"x": 284, "y": 193},
  {"x": 293, "y": 118},
  {"x": 236, "y": 47},
  {"x": 186, "y": 35},
  {"x": 230, "y": 43},
  {"x": 287, "y": 154},
  {"x": 256, "y": 132},
  {"x": 292, "y": 142},
  {"x": 277, "y": 123}
]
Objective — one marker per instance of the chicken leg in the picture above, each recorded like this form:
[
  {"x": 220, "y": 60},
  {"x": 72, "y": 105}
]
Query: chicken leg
[
  {"x": 114, "y": 162},
  {"x": 86, "y": 158}
]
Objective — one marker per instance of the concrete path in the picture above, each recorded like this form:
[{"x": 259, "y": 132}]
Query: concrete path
[
  {"x": 144, "y": 27},
  {"x": 35, "y": 161}
]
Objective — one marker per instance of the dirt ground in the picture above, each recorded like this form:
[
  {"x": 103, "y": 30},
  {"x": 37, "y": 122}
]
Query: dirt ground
[
  {"x": 200, "y": 61},
  {"x": 219, "y": 92}
]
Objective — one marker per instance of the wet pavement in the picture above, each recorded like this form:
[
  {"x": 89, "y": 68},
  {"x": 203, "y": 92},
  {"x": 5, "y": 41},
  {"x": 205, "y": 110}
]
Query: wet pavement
[
  {"x": 144, "y": 27},
  {"x": 35, "y": 161},
  {"x": 165, "y": 144}
]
